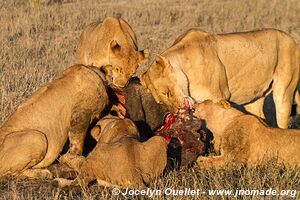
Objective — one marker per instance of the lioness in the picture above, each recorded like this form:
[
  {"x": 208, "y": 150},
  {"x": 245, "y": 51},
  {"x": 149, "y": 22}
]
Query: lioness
[
  {"x": 34, "y": 135},
  {"x": 119, "y": 158},
  {"x": 245, "y": 139},
  {"x": 111, "y": 45},
  {"x": 240, "y": 67},
  {"x": 72, "y": 100}
]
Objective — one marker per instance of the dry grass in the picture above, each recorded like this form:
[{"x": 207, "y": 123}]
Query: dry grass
[
  {"x": 265, "y": 176},
  {"x": 38, "y": 42}
]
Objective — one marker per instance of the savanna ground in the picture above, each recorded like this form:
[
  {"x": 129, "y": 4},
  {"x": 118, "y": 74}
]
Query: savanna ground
[{"x": 38, "y": 42}]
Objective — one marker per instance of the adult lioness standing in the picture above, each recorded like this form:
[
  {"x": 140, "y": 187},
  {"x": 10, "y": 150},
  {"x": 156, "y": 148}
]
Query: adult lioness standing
[
  {"x": 34, "y": 135},
  {"x": 240, "y": 67}
]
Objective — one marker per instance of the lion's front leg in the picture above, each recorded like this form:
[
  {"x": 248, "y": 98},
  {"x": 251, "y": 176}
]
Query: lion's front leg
[
  {"x": 76, "y": 142},
  {"x": 79, "y": 126}
]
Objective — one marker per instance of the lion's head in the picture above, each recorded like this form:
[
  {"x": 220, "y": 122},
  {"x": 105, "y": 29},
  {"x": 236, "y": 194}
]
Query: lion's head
[
  {"x": 111, "y": 46},
  {"x": 110, "y": 128},
  {"x": 167, "y": 84}
]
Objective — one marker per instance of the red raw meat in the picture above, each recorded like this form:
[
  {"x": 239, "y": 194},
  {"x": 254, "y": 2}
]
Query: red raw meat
[{"x": 184, "y": 136}]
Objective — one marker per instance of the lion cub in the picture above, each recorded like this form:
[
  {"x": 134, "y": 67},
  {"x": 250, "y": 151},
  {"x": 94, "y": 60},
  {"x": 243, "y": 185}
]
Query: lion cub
[
  {"x": 119, "y": 158},
  {"x": 245, "y": 139}
]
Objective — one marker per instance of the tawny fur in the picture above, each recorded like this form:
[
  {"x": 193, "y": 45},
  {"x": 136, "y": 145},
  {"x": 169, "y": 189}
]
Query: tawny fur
[
  {"x": 245, "y": 139},
  {"x": 240, "y": 67},
  {"x": 34, "y": 135},
  {"x": 119, "y": 158},
  {"x": 112, "y": 46}
]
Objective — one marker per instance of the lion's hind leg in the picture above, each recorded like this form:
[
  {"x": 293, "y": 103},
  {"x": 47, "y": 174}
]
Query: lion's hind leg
[
  {"x": 22, "y": 150},
  {"x": 78, "y": 181},
  {"x": 62, "y": 182},
  {"x": 212, "y": 161},
  {"x": 37, "y": 173},
  {"x": 285, "y": 82},
  {"x": 283, "y": 105}
]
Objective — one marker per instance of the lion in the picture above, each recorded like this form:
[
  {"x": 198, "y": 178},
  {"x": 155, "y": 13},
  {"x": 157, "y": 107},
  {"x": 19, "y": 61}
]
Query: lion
[
  {"x": 240, "y": 67},
  {"x": 119, "y": 158},
  {"x": 245, "y": 139},
  {"x": 40, "y": 126},
  {"x": 111, "y": 45},
  {"x": 33, "y": 136}
]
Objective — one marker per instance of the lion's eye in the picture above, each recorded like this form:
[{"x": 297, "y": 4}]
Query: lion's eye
[
  {"x": 105, "y": 69},
  {"x": 169, "y": 93}
]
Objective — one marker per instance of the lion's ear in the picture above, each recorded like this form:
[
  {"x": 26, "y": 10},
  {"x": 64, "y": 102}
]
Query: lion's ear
[
  {"x": 115, "y": 46},
  {"x": 162, "y": 63},
  {"x": 95, "y": 132},
  {"x": 144, "y": 82}
]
